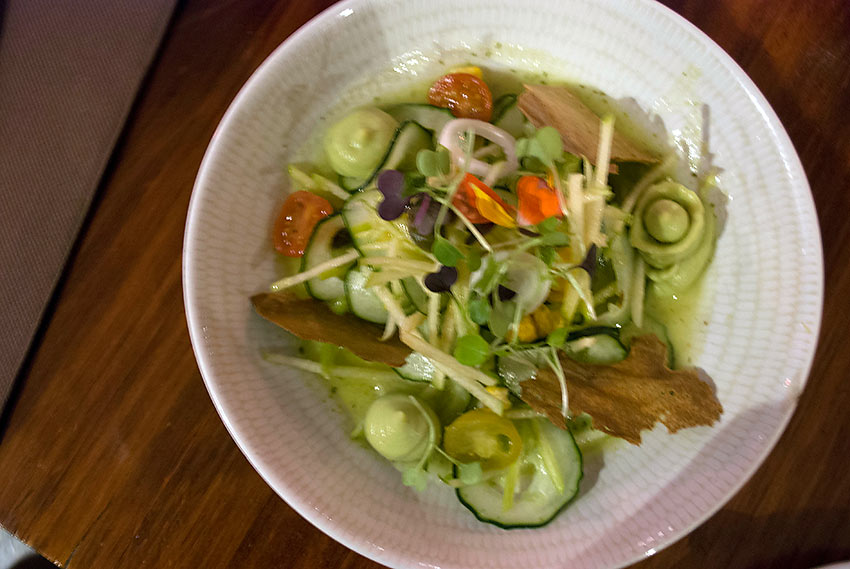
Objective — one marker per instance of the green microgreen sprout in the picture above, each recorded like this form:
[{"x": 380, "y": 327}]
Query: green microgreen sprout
[
  {"x": 557, "y": 338},
  {"x": 479, "y": 310},
  {"x": 446, "y": 253},
  {"x": 471, "y": 350},
  {"x": 544, "y": 145},
  {"x": 467, "y": 472},
  {"x": 415, "y": 476},
  {"x": 433, "y": 163}
]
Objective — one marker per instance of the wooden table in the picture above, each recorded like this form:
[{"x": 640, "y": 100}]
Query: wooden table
[{"x": 113, "y": 455}]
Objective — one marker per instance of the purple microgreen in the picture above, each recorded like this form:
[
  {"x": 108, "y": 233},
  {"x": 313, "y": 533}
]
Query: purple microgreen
[
  {"x": 391, "y": 183},
  {"x": 426, "y": 216},
  {"x": 442, "y": 280},
  {"x": 391, "y": 208},
  {"x": 589, "y": 263},
  {"x": 505, "y": 293}
]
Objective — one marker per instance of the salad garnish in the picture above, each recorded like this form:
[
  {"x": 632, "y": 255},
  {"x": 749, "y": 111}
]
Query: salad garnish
[{"x": 481, "y": 279}]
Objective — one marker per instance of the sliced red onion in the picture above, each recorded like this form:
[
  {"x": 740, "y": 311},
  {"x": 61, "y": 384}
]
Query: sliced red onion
[
  {"x": 450, "y": 138},
  {"x": 442, "y": 280}
]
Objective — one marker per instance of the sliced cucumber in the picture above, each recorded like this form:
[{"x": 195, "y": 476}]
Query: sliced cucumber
[
  {"x": 329, "y": 239},
  {"x": 520, "y": 366},
  {"x": 351, "y": 184},
  {"x": 509, "y": 118},
  {"x": 431, "y": 117},
  {"x": 370, "y": 233},
  {"x": 316, "y": 183},
  {"x": 602, "y": 349},
  {"x": 409, "y": 138},
  {"x": 502, "y": 103},
  {"x": 550, "y": 470},
  {"x": 362, "y": 300},
  {"x": 417, "y": 295},
  {"x": 417, "y": 368}
]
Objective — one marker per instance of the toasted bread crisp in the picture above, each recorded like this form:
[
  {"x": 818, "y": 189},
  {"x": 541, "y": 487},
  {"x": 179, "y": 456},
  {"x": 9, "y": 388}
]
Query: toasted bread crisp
[
  {"x": 311, "y": 319},
  {"x": 629, "y": 396},
  {"x": 578, "y": 125}
]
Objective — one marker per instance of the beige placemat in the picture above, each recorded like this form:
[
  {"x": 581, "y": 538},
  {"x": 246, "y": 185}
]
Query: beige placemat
[{"x": 69, "y": 72}]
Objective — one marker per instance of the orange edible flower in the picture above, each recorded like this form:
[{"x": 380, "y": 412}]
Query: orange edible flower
[
  {"x": 537, "y": 200},
  {"x": 480, "y": 204}
]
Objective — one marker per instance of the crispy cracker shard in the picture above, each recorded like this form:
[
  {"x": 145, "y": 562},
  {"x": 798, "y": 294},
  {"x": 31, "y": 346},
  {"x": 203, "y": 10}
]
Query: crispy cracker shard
[
  {"x": 548, "y": 105},
  {"x": 629, "y": 396},
  {"x": 310, "y": 319}
]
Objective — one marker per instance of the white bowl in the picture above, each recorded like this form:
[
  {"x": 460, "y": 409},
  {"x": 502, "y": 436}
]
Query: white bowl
[{"x": 762, "y": 302}]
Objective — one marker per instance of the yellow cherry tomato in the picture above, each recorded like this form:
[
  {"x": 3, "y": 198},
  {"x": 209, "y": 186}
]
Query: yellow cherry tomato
[{"x": 481, "y": 435}]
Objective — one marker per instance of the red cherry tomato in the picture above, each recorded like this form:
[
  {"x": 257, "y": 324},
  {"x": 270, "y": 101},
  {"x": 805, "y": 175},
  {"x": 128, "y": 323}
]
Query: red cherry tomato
[
  {"x": 298, "y": 217},
  {"x": 465, "y": 95}
]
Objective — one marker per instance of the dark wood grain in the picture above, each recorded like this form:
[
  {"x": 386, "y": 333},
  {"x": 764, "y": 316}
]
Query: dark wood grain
[{"x": 113, "y": 455}]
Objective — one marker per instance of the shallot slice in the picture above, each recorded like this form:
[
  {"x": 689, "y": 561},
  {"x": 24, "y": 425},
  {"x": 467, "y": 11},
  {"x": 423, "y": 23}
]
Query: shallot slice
[{"x": 450, "y": 138}]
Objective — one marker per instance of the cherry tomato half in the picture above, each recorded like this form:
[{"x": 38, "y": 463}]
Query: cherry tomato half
[
  {"x": 298, "y": 217},
  {"x": 465, "y": 95},
  {"x": 481, "y": 435}
]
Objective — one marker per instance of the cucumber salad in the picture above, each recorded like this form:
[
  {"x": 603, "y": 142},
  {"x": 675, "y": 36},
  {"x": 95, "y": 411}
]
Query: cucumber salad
[{"x": 482, "y": 277}]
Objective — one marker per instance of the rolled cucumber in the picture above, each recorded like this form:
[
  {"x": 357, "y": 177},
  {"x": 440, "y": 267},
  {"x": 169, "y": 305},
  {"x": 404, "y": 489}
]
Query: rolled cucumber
[{"x": 409, "y": 138}]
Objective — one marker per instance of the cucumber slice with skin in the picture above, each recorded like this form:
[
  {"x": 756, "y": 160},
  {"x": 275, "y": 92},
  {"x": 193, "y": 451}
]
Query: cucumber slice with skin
[
  {"x": 601, "y": 349},
  {"x": 597, "y": 345},
  {"x": 509, "y": 118},
  {"x": 350, "y": 184},
  {"x": 409, "y": 138},
  {"x": 369, "y": 232},
  {"x": 431, "y": 117},
  {"x": 501, "y": 104},
  {"x": 550, "y": 471},
  {"x": 323, "y": 246},
  {"x": 417, "y": 368},
  {"x": 417, "y": 296},
  {"x": 362, "y": 300}
]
